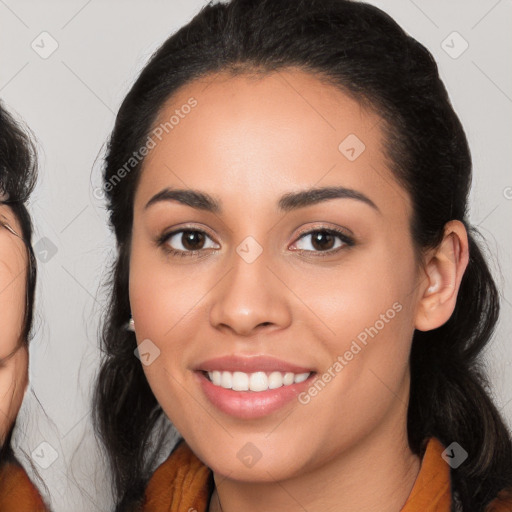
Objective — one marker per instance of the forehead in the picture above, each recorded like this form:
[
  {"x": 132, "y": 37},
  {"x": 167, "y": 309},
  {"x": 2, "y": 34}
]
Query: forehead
[{"x": 266, "y": 134}]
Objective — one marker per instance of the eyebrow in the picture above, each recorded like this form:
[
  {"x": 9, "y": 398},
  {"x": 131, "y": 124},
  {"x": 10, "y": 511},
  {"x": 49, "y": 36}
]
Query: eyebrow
[{"x": 288, "y": 202}]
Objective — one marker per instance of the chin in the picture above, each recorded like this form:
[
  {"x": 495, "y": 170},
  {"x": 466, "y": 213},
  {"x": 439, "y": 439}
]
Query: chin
[{"x": 252, "y": 461}]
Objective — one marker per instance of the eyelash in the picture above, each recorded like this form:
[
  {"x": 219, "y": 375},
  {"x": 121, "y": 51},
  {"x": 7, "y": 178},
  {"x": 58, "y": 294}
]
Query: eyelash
[{"x": 345, "y": 239}]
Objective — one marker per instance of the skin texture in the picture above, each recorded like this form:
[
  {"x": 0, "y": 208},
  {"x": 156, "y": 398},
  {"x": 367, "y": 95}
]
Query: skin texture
[
  {"x": 13, "y": 351},
  {"x": 248, "y": 141}
]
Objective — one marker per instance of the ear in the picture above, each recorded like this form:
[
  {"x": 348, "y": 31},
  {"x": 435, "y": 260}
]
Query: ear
[{"x": 444, "y": 269}]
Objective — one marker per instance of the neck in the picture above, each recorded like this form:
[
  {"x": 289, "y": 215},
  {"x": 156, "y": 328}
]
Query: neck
[{"x": 376, "y": 475}]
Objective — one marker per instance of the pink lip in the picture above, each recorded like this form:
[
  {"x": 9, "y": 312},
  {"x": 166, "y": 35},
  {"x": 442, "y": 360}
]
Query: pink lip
[
  {"x": 250, "y": 365},
  {"x": 249, "y": 404}
]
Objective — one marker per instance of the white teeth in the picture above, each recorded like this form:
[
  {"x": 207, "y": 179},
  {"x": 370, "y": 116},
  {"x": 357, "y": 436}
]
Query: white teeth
[
  {"x": 227, "y": 380},
  {"x": 300, "y": 377},
  {"x": 288, "y": 379},
  {"x": 257, "y": 381},
  {"x": 240, "y": 381},
  {"x": 275, "y": 380}
]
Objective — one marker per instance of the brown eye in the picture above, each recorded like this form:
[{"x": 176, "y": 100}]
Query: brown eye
[
  {"x": 187, "y": 242},
  {"x": 192, "y": 240},
  {"x": 323, "y": 241}
]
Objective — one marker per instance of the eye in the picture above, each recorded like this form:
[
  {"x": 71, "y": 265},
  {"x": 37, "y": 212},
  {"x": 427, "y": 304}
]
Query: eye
[
  {"x": 190, "y": 242},
  {"x": 323, "y": 240},
  {"x": 185, "y": 242}
]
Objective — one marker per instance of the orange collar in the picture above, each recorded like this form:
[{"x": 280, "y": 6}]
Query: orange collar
[
  {"x": 183, "y": 482},
  {"x": 432, "y": 488},
  {"x": 17, "y": 491}
]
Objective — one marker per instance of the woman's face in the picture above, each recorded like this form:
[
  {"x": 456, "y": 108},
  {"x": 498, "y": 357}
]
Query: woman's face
[
  {"x": 272, "y": 295},
  {"x": 13, "y": 352}
]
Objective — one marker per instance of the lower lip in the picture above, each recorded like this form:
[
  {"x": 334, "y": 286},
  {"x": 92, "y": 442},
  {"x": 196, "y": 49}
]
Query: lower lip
[{"x": 251, "y": 404}]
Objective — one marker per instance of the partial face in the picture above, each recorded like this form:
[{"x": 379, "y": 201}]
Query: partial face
[
  {"x": 303, "y": 305},
  {"x": 13, "y": 352}
]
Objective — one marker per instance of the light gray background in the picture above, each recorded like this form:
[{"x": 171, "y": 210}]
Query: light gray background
[{"x": 70, "y": 99}]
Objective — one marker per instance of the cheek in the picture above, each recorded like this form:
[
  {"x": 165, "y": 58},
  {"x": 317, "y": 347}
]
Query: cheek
[
  {"x": 13, "y": 382},
  {"x": 369, "y": 310},
  {"x": 165, "y": 302},
  {"x": 161, "y": 297},
  {"x": 13, "y": 374},
  {"x": 366, "y": 292}
]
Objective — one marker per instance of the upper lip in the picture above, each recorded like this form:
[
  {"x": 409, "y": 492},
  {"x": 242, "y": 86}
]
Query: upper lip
[{"x": 250, "y": 364}]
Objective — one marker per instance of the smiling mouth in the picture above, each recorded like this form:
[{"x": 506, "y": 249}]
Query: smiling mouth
[{"x": 256, "y": 381}]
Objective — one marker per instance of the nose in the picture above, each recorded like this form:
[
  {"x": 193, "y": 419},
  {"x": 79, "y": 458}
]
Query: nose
[{"x": 250, "y": 298}]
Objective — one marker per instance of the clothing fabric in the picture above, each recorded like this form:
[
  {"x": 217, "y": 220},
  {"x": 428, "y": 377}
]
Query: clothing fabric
[
  {"x": 17, "y": 492},
  {"x": 184, "y": 484}
]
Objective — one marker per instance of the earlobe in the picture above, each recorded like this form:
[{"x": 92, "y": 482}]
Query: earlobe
[
  {"x": 130, "y": 326},
  {"x": 443, "y": 275}
]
